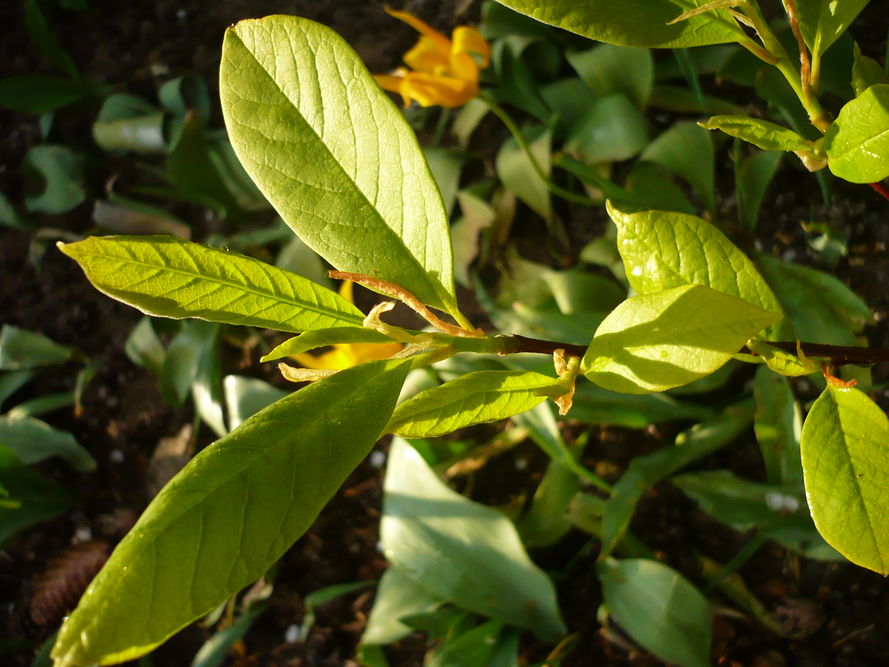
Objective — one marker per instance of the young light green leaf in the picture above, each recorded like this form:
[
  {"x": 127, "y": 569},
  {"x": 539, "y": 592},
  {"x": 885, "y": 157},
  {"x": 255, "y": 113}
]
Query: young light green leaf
[
  {"x": 659, "y": 608},
  {"x": 20, "y": 348},
  {"x": 822, "y": 309},
  {"x": 823, "y": 21},
  {"x": 35, "y": 440},
  {"x": 398, "y": 596},
  {"x": 461, "y": 551},
  {"x": 663, "y": 250},
  {"x": 778, "y": 425},
  {"x": 761, "y": 133},
  {"x": 857, "y": 142},
  {"x": 654, "y": 342},
  {"x": 476, "y": 398},
  {"x": 311, "y": 340},
  {"x": 169, "y": 277},
  {"x": 866, "y": 72},
  {"x": 645, "y": 471},
  {"x": 334, "y": 155},
  {"x": 846, "y": 472},
  {"x": 229, "y": 515},
  {"x": 638, "y": 23},
  {"x": 687, "y": 151}
]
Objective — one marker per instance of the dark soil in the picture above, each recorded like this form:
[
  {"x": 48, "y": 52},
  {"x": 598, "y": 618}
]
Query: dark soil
[{"x": 835, "y": 613}]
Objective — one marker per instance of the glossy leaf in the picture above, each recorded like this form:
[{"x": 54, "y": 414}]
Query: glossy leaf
[
  {"x": 333, "y": 154},
  {"x": 663, "y": 250},
  {"x": 168, "y": 277},
  {"x": 761, "y": 133},
  {"x": 846, "y": 472},
  {"x": 34, "y": 440},
  {"x": 659, "y": 608},
  {"x": 611, "y": 129},
  {"x": 608, "y": 69},
  {"x": 822, "y": 22},
  {"x": 687, "y": 151},
  {"x": 645, "y": 471},
  {"x": 229, "y": 515},
  {"x": 638, "y": 23},
  {"x": 822, "y": 309},
  {"x": 653, "y": 342},
  {"x": 857, "y": 142},
  {"x": 476, "y": 398},
  {"x": 20, "y": 349},
  {"x": 461, "y": 551}
]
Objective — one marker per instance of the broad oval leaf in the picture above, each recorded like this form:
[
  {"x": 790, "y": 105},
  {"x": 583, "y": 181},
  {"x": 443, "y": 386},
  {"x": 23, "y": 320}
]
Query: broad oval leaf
[
  {"x": 659, "y": 608},
  {"x": 334, "y": 155},
  {"x": 857, "y": 142},
  {"x": 654, "y": 342},
  {"x": 761, "y": 133},
  {"x": 475, "y": 398},
  {"x": 229, "y": 515},
  {"x": 635, "y": 22},
  {"x": 168, "y": 277},
  {"x": 460, "y": 550},
  {"x": 687, "y": 151},
  {"x": 663, "y": 249},
  {"x": 846, "y": 473}
]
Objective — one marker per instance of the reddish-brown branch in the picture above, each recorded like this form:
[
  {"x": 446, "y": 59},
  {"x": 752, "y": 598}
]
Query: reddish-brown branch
[{"x": 881, "y": 189}]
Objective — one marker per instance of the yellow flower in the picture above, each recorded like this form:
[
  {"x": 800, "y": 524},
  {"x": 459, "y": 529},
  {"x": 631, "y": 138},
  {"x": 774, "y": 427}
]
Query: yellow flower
[
  {"x": 346, "y": 355},
  {"x": 443, "y": 72}
]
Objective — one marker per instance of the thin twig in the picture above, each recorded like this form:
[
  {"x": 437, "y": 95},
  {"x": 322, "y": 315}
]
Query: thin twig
[{"x": 881, "y": 189}]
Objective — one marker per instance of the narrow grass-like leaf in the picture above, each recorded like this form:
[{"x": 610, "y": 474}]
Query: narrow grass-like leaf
[
  {"x": 857, "y": 142},
  {"x": 168, "y": 277},
  {"x": 484, "y": 396},
  {"x": 663, "y": 250},
  {"x": 461, "y": 551},
  {"x": 334, "y": 155},
  {"x": 660, "y": 609},
  {"x": 229, "y": 515},
  {"x": 634, "y": 22},
  {"x": 654, "y": 342},
  {"x": 846, "y": 472}
]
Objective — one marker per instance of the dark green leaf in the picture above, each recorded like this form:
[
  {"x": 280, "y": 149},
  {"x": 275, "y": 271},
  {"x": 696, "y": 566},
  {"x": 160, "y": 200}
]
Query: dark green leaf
[{"x": 20, "y": 349}]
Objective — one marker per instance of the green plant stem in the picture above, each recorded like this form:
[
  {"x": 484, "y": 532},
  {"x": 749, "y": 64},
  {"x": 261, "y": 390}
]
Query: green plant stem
[
  {"x": 817, "y": 116},
  {"x": 510, "y": 124}
]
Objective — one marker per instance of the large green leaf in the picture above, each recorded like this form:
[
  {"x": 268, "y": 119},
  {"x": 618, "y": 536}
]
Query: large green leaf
[
  {"x": 654, "y": 342},
  {"x": 333, "y": 155},
  {"x": 229, "y": 515},
  {"x": 846, "y": 472},
  {"x": 398, "y": 596},
  {"x": 484, "y": 396},
  {"x": 663, "y": 250},
  {"x": 659, "y": 608},
  {"x": 857, "y": 142},
  {"x": 633, "y": 22},
  {"x": 687, "y": 151},
  {"x": 823, "y": 21},
  {"x": 34, "y": 440},
  {"x": 461, "y": 551},
  {"x": 610, "y": 69},
  {"x": 164, "y": 276}
]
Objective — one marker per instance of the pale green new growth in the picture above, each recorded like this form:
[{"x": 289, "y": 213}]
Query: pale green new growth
[
  {"x": 654, "y": 342},
  {"x": 846, "y": 471},
  {"x": 229, "y": 515},
  {"x": 761, "y": 133},
  {"x": 168, "y": 277},
  {"x": 823, "y": 21},
  {"x": 334, "y": 156},
  {"x": 475, "y": 398},
  {"x": 857, "y": 143}
]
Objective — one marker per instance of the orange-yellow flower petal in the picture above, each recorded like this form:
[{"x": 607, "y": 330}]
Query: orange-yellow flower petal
[
  {"x": 425, "y": 56},
  {"x": 469, "y": 40},
  {"x": 444, "y": 44},
  {"x": 430, "y": 90}
]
